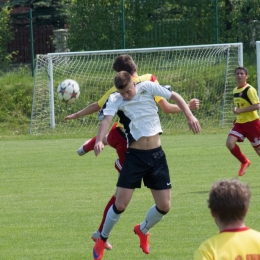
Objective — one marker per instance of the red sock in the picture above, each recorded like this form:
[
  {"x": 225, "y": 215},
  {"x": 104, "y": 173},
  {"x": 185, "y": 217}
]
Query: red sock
[
  {"x": 89, "y": 146},
  {"x": 237, "y": 153},
  {"x": 109, "y": 204}
]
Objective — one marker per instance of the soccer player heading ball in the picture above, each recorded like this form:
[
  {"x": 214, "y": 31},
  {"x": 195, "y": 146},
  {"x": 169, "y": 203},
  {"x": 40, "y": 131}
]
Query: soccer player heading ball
[{"x": 144, "y": 160}]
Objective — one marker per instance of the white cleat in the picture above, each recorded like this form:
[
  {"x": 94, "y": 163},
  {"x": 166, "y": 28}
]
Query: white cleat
[{"x": 81, "y": 151}]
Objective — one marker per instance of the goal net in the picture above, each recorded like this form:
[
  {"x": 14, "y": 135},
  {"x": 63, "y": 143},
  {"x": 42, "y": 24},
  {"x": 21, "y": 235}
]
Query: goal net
[{"x": 205, "y": 72}]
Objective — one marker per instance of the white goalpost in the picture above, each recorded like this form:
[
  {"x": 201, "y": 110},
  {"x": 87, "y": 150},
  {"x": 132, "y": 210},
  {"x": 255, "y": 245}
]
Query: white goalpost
[
  {"x": 205, "y": 72},
  {"x": 258, "y": 66}
]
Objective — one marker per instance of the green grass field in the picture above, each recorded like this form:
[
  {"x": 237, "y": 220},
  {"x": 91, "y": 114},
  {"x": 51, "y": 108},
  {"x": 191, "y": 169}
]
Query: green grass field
[{"x": 51, "y": 200}]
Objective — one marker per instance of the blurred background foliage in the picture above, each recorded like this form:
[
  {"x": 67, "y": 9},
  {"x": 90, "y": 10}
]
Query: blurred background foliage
[
  {"x": 104, "y": 25},
  {"x": 99, "y": 25}
]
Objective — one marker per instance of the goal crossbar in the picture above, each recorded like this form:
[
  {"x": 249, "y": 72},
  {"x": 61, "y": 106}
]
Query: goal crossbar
[{"x": 143, "y": 50}]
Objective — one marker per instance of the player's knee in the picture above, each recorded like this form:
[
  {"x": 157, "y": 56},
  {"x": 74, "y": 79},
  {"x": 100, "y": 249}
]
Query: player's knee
[
  {"x": 117, "y": 210},
  {"x": 164, "y": 208},
  {"x": 120, "y": 206},
  {"x": 257, "y": 149},
  {"x": 230, "y": 145}
]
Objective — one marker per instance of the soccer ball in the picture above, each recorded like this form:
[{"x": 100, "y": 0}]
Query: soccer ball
[{"x": 68, "y": 91}]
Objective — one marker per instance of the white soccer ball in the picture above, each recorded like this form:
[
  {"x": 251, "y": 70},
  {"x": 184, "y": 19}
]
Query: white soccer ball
[{"x": 68, "y": 91}]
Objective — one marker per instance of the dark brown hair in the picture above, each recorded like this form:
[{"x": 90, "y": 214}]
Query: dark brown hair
[
  {"x": 122, "y": 79},
  {"x": 229, "y": 200},
  {"x": 241, "y": 68},
  {"x": 126, "y": 63}
]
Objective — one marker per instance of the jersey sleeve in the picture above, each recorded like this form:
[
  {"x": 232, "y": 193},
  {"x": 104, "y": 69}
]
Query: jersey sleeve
[
  {"x": 154, "y": 79},
  {"x": 110, "y": 107},
  {"x": 158, "y": 99},
  {"x": 104, "y": 98},
  {"x": 145, "y": 77},
  {"x": 158, "y": 90},
  {"x": 252, "y": 94}
]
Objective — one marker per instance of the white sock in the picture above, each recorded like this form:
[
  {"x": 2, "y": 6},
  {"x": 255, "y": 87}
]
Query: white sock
[
  {"x": 153, "y": 217},
  {"x": 111, "y": 220}
]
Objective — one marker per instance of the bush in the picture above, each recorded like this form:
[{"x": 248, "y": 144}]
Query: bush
[{"x": 16, "y": 92}]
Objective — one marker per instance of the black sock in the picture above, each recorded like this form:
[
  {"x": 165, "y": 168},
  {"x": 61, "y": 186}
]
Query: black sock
[{"x": 103, "y": 238}]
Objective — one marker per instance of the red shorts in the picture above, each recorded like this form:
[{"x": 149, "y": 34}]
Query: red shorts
[
  {"x": 116, "y": 139},
  {"x": 249, "y": 130}
]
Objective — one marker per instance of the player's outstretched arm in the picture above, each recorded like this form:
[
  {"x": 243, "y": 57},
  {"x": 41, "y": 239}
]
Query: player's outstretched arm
[
  {"x": 92, "y": 108},
  {"x": 103, "y": 129},
  {"x": 169, "y": 108},
  {"x": 192, "y": 120}
]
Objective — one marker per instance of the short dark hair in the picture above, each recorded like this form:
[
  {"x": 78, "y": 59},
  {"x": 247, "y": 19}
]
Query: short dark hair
[
  {"x": 241, "y": 68},
  {"x": 122, "y": 79},
  {"x": 229, "y": 200},
  {"x": 126, "y": 63}
]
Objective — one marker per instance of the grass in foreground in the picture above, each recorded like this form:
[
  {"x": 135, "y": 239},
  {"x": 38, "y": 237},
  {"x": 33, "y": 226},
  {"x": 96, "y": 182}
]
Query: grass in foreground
[{"x": 52, "y": 200}]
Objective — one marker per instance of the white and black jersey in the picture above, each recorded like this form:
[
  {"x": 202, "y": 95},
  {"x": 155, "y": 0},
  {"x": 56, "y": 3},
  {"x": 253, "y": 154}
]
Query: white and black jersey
[{"x": 138, "y": 116}]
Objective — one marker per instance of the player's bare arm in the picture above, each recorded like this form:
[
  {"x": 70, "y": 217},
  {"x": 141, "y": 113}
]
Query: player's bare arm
[
  {"x": 92, "y": 108},
  {"x": 251, "y": 108},
  {"x": 169, "y": 108},
  {"x": 102, "y": 131},
  {"x": 192, "y": 120}
]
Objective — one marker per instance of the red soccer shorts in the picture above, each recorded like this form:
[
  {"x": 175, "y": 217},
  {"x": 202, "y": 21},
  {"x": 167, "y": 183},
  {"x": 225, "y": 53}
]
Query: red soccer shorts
[
  {"x": 116, "y": 139},
  {"x": 249, "y": 130}
]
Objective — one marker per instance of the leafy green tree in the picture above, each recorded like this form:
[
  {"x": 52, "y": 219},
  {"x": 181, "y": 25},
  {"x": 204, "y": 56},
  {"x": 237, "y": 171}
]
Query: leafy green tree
[
  {"x": 40, "y": 4},
  {"x": 51, "y": 12},
  {"x": 6, "y": 36},
  {"x": 245, "y": 22},
  {"x": 94, "y": 24},
  {"x": 97, "y": 24}
]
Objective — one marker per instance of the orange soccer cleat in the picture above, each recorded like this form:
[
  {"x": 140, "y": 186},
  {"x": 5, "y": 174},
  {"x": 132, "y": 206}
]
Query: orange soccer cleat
[
  {"x": 99, "y": 249},
  {"x": 144, "y": 239},
  {"x": 243, "y": 168},
  {"x": 95, "y": 236}
]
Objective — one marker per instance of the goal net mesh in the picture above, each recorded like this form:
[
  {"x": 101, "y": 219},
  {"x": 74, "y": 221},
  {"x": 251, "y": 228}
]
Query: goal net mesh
[{"x": 203, "y": 72}]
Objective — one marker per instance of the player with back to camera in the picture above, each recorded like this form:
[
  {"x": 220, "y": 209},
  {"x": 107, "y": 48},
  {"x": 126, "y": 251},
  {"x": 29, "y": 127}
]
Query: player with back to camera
[
  {"x": 116, "y": 137},
  {"x": 247, "y": 124},
  {"x": 228, "y": 203},
  {"x": 145, "y": 160}
]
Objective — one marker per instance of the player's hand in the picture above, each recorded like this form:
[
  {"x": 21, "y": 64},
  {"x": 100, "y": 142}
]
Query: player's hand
[
  {"x": 194, "y": 125},
  {"x": 72, "y": 116},
  {"x": 194, "y": 104},
  {"x": 99, "y": 146},
  {"x": 236, "y": 110}
]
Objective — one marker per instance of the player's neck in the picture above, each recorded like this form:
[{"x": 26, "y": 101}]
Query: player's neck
[
  {"x": 237, "y": 225},
  {"x": 241, "y": 85}
]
